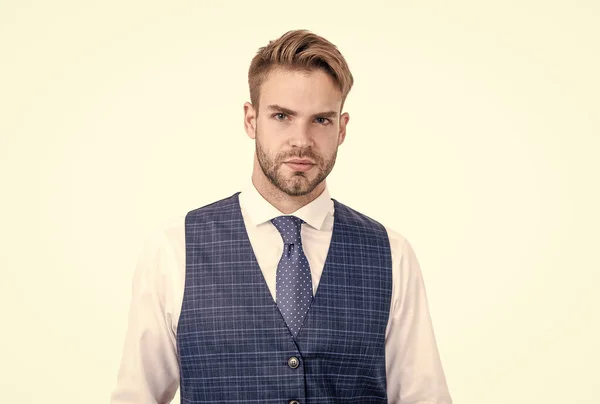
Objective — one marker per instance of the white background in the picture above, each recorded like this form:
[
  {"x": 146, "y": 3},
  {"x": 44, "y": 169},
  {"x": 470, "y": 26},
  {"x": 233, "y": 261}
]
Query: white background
[{"x": 474, "y": 132}]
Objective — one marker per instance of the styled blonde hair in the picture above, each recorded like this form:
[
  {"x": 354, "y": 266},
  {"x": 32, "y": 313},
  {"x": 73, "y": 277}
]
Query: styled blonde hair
[{"x": 299, "y": 50}]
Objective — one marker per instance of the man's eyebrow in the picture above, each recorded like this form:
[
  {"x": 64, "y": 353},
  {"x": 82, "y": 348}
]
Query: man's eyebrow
[
  {"x": 279, "y": 108},
  {"x": 287, "y": 111},
  {"x": 326, "y": 114}
]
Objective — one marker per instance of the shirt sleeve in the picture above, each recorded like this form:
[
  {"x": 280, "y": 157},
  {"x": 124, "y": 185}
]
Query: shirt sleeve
[
  {"x": 414, "y": 369},
  {"x": 149, "y": 369}
]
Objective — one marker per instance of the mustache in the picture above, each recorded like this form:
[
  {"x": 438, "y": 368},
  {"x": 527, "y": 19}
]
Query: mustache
[{"x": 300, "y": 154}]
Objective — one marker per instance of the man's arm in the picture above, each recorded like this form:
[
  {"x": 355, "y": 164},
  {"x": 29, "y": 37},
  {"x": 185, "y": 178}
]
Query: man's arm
[
  {"x": 414, "y": 369},
  {"x": 149, "y": 370}
]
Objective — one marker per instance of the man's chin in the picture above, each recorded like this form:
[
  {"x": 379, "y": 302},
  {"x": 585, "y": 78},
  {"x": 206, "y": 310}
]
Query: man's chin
[
  {"x": 297, "y": 190},
  {"x": 299, "y": 187}
]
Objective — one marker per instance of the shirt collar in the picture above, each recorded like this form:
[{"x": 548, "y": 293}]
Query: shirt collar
[{"x": 259, "y": 210}]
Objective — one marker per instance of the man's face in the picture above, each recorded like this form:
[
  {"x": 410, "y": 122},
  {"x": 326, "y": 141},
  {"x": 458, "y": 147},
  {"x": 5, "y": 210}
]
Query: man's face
[{"x": 298, "y": 129}]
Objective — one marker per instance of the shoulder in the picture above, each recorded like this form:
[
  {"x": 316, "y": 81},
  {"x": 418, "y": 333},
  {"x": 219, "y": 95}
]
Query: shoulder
[
  {"x": 221, "y": 205},
  {"x": 167, "y": 236},
  {"x": 397, "y": 239}
]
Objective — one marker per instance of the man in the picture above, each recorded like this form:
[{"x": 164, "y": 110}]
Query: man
[{"x": 280, "y": 294}]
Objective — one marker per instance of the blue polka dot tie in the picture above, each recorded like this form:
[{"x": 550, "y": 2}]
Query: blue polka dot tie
[{"x": 294, "y": 284}]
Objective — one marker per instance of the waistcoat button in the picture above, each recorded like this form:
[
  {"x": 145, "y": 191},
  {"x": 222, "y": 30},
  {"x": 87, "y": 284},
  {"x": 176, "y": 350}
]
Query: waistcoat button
[
  {"x": 294, "y": 402},
  {"x": 293, "y": 362}
]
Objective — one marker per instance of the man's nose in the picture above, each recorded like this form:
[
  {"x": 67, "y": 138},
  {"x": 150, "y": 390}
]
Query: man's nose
[{"x": 301, "y": 136}]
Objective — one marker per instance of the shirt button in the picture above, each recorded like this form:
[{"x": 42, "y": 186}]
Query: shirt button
[
  {"x": 294, "y": 402},
  {"x": 293, "y": 362}
]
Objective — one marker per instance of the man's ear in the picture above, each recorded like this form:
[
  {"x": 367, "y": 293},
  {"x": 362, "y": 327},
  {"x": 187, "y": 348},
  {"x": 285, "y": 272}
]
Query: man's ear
[
  {"x": 250, "y": 115},
  {"x": 344, "y": 118}
]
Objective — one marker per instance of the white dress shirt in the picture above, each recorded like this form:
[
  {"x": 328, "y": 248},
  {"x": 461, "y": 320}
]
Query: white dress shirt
[{"x": 149, "y": 371}]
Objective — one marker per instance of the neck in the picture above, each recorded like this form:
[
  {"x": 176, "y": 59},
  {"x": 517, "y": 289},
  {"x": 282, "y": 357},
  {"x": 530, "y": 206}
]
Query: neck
[{"x": 285, "y": 203}]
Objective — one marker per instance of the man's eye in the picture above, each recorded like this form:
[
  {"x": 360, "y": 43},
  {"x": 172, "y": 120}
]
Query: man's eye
[
  {"x": 279, "y": 116},
  {"x": 323, "y": 121}
]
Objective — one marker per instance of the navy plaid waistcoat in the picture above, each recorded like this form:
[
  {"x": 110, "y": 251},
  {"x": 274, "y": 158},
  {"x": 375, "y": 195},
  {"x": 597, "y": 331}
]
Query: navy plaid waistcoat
[{"x": 232, "y": 342}]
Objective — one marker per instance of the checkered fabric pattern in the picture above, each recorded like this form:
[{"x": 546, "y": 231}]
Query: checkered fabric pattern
[{"x": 232, "y": 341}]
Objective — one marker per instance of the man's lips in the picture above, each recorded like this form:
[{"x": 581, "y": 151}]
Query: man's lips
[
  {"x": 300, "y": 164},
  {"x": 300, "y": 161}
]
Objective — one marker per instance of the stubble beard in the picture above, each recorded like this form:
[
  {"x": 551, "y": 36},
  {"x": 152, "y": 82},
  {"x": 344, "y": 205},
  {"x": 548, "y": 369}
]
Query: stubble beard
[{"x": 298, "y": 184}]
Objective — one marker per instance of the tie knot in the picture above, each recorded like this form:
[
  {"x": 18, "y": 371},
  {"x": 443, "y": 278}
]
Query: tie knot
[{"x": 289, "y": 227}]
